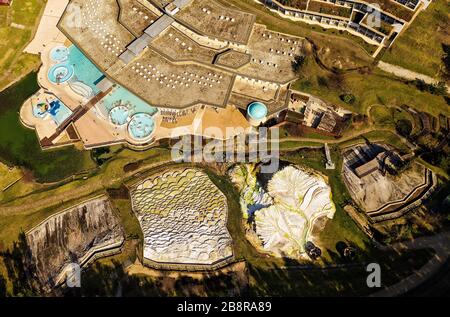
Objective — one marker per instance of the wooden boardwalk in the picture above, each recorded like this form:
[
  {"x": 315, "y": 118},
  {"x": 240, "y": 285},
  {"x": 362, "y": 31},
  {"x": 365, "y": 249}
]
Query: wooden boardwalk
[{"x": 79, "y": 112}]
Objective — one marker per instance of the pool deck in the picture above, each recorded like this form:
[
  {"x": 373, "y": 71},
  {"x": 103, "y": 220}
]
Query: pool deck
[
  {"x": 45, "y": 127},
  {"x": 63, "y": 91},
  {"x": 211, "y": 118},
  {"x": 47, "y": 32}
]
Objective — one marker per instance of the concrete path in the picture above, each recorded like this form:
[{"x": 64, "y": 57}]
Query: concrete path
[
  {"x": 47, "y": 31},
  {"x": 441, "y": 245}
]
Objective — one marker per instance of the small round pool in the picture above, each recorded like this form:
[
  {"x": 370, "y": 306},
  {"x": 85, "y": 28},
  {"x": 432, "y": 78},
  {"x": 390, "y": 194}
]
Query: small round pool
[
  {"x": 59, "y": 54},
  {"x": 60, "y": 73},
  {"x": 40, "y": 110},
  {"x": 119, "y": 115},
  {"x": 141, "y": 126},
  {"x": 257, "y": 110}
]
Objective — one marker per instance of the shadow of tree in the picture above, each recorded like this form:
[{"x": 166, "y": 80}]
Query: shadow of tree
[
  {"x": 113, "y": 281},
  {"x": 19, "y": 267}
]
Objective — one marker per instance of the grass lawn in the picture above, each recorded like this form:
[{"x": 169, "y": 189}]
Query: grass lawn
[
  {"x": 19, "y": 146},
  {"x": 13, "y": 63},
  {"x": 378, "y": 137},
  {"x": 388, "y": 117},
  {"x": 292, "y": 145},
  {"x": 419, "y": 48},
  {"x": 376, "y": 87},
  {"x": 8, "y": 175},
  {"x": 349, "y": 281}
]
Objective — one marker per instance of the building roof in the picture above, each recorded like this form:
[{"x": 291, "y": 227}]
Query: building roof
[
  {"x": 159, "y": 26},
  {"x": 139, "y": 44}
]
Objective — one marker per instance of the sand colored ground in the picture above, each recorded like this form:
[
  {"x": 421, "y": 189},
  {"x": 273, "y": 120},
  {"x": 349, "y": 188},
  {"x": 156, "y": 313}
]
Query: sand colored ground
[
  {"x": 259, "y": 89},
  {"x": 47, "y": 31},
  {"x": 98, "y": 29},
  {"x": 235, "y": 25},
  {"x": 136, "y": 15}
]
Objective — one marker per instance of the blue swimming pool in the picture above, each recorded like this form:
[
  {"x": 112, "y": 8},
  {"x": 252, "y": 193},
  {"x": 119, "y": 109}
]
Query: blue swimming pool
[
  {"x": 59, "y": 54},
  {"x": 55, "y": 108},
  {"x": 60, "y": 73},
  {"x": 119, "y": 115},
  {"x": 257, "y": 110},
  {"x": 73, "y": 63},
  {"x": 141, "y": 126},
  {"x": 85, "y": 70}
]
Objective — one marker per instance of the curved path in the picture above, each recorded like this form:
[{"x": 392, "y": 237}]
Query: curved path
[{"x": 440, "y": 243}]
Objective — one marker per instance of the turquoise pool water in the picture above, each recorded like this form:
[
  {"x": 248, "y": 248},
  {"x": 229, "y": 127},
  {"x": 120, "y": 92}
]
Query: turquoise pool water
[
  {"x": 119, "y": 115},
  {"x": 120, "y": 104},
  {"x": 76, "y": 65},
  {"x": 55, "y": 108},
  {"x": 257, "y": 110},
  {"x": 60, "y": 73},
  {"x": 85, "y": 70},
  {"x": 59, "y": 54},
  {"x": 141, "y": 126},
  {"x": 122, "y": 96}
]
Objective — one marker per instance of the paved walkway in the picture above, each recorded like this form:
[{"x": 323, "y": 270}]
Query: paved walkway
[
  {"x": 47, "y": 31},
  {"x": 441, "y": 245}
]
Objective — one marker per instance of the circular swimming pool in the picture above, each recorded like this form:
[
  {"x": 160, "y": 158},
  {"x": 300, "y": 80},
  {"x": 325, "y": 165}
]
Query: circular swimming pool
[
  {"x": 59, "y": 54},
  {"x": 60, "y": 73},
  {"x": 257, "y": 110},
  {"x": 119, "y": 115},
  {"x": 141, "y": 126}
]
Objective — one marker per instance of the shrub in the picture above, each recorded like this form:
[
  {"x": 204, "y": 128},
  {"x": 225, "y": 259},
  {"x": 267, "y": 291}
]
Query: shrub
[{"x": 348, "y": 98}]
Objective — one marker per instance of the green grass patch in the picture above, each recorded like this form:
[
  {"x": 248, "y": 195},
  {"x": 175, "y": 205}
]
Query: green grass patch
[
  {"x": 376, "y": 87},
  {"x": 19, "y": 145},
  {"x": 419, "y": 48},
  {"x": 377, "y": 136},
  {"x": 13, "y": 62}
]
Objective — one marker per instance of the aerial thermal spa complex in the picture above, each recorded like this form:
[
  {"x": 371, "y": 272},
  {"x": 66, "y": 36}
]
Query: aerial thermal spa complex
[{"x": 135, "y": 72}]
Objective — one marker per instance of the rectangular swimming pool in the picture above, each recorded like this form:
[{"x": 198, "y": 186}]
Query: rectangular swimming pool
[{"x": 59, "y": 112}]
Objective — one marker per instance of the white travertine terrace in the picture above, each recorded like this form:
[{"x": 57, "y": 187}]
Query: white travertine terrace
[
  {"x": 299, "y": 199},
  {"x": 294, "y": 200},
  {"x": 183, "y": 216}
]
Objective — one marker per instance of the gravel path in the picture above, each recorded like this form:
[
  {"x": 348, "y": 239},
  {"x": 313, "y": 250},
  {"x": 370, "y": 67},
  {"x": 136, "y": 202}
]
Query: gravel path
[{"x": 406, "y": 73}]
